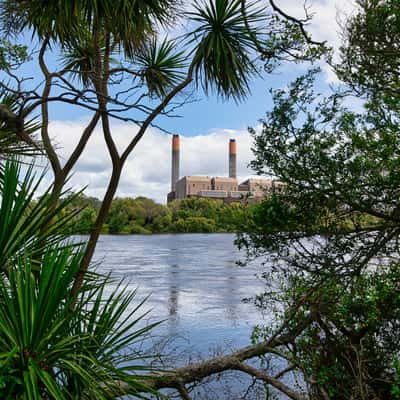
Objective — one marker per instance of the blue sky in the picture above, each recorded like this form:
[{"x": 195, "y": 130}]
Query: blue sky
[
  {"x": 211, "y": 113},
  {"x": 206, "y": 125}
]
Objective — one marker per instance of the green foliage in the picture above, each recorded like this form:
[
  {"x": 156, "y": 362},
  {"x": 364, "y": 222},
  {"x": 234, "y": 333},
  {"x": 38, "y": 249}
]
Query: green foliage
[
  {"x": 223, "y": 60},
  {"x": 160, "y": 67},
  {"x": 87, "y": 219},
  {"x": 396, "y": 385},
  {"x": 370, "y": 55},
  {"x": 135, "y": 216},
  {"x": 145, "y": 216},
  {"x": 359, "y": 338},
  {"x": 52, "y": 344},
  {"x": 195, "y": 225},
  {"x": 11, "y": 55},
  {"x": 49, "y": 350},
  {"x": 199, "y": 215},
  {"x": 331, "y": 238},
  {"x": 23, "y": 219}
]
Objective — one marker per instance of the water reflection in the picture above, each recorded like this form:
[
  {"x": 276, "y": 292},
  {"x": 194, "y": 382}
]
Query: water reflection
[
  {"x": 173, "y": 299},
  {"x": 193, "y": 281}
]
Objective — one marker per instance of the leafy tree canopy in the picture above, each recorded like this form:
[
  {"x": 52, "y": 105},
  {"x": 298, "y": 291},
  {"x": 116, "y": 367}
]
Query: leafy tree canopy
[
  {"x": 371, "y": 52},
  {"x": 331, "y": 238}
]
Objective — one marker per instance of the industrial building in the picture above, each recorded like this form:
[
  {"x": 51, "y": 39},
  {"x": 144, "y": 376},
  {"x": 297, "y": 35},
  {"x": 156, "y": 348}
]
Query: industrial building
[{"x": 224, "y": 188}]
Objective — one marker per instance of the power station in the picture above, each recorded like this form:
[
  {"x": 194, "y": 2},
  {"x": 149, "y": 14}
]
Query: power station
[{"x": 225, "y": 188}]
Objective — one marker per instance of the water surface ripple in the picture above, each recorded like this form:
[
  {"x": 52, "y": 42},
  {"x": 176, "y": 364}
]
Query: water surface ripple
[{"x": 194, "y": 285}]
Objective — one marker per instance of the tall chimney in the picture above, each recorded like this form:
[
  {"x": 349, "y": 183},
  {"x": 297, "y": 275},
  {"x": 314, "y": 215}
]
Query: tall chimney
[
  {"x": 232, "y": 158},
  {"x": 175, "y": 162}
]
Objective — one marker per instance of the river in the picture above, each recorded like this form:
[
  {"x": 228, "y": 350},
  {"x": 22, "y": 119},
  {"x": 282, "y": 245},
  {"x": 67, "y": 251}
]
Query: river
[{"x": 194, "y": 284}]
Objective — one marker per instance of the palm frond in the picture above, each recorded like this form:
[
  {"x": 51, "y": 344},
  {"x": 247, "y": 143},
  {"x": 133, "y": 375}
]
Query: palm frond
[
  {"x": 224, "y": 46},
  {"x": 79, "y": 57},
  {"x": 16, "y": 140},
  {"x": 22, "y": 218},
  {"x": 130, "y": 22},
  {"x": 160, "y": 66},
  {"x": 56, "y": 352}
]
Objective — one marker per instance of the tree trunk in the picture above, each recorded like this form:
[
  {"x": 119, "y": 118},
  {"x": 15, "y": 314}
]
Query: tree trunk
[{"x": 96, "y": 231}]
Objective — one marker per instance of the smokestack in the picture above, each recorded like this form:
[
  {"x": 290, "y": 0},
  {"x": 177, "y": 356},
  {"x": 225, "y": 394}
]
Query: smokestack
[
  {"x": 175, "y": 162},
  {"x": 232, "y": 158}
]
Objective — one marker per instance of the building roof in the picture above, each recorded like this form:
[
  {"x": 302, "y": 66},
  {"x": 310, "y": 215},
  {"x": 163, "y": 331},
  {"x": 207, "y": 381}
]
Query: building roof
[
  {"x": 197, "y": 178},
  {"x": 224, "y": 179},
  {"x": 258, "y": 181}
]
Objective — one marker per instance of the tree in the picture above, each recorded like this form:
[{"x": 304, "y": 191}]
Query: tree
[
  {"x": 86, "y": 220},
  {"x": 371, "y": 54},
  {"x": 107, "y": 44},
  {"x": 214, "y": 215},
  {"x": 332, "y": 235}
]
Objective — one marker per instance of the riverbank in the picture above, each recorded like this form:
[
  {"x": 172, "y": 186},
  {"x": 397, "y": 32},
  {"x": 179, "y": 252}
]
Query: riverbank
[{"x": 144, "y": 216}]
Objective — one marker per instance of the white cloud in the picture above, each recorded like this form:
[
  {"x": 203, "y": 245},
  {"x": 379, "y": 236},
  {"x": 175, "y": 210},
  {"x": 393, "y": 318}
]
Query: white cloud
[
  {"x": 147, "y": 171},
  {"x": 328, "y": 16}
]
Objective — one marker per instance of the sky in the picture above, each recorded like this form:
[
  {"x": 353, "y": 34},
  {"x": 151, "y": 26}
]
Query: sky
[{"x": 205, "y": 126}]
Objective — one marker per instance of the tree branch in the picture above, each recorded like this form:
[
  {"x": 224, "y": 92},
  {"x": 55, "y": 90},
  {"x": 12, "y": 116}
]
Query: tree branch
[
  {"x": 276, "y": 383},
  {"x": 183, "y": 392},
  {"x": 299, "y": 22},
  {"x": 81, "y": 144},
  {"x": 54, "y": 160},
  {"x": 196, "y": 372},
  {"x": 156, "y": 112}
]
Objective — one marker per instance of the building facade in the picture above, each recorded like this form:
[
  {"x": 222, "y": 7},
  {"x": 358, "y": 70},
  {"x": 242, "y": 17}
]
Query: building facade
[{"x": 225, "y": 188}]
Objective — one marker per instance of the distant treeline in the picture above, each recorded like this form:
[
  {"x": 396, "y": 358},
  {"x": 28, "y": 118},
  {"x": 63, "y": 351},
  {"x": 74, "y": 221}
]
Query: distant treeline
[{"x": 142, "y": 215}]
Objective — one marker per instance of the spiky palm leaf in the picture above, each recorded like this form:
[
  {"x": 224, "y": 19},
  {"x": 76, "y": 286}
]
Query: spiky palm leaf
[
  {"x": 129, "y": 21},
  {"x": 13, "y": 141},
  {"x": 49, "y": 351},
  {"x": 160, "y": 66},
  {"x": 224, "y": 46},
  {"x": 79, "y": 56},
  {"x": 22, "y": 218}
]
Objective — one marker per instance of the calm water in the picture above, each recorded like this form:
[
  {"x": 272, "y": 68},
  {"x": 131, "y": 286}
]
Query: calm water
[{"x": 194, "y": 285}]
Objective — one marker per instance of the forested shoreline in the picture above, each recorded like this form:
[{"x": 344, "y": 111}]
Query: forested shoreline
[{"x": 142, "y": 215}]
